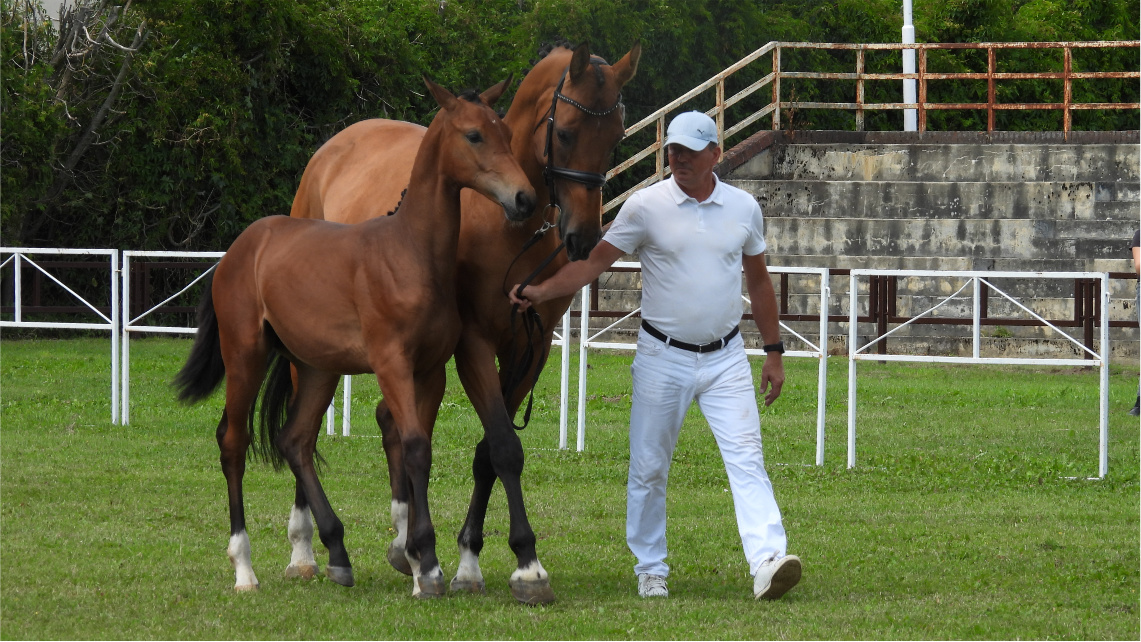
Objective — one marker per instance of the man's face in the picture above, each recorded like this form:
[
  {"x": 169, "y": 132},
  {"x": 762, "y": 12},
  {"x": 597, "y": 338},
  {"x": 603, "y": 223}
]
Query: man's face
[{"x": 692, "y": 168}]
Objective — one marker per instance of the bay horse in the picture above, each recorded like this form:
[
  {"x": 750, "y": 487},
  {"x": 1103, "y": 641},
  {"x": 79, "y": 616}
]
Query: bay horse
[
  {"x": 566, "y": 118},
  {"x": 332, "y": 299}
]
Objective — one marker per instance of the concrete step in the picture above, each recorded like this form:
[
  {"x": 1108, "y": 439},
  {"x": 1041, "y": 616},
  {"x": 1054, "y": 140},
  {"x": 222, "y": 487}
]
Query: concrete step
[
  {"x": 975, "y": 238},
  {"x": 944, "y": 163},
  {"x": 1086, "y": 201}
]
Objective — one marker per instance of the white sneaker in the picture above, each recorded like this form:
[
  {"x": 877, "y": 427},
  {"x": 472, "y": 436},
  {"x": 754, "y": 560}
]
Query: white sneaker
[
  {"x": 652, "y": 586},
  {"x": 776, "y": 577}
]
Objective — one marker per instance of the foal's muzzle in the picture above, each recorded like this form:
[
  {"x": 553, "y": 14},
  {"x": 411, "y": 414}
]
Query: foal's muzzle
[{"x": 521, "y": 206}]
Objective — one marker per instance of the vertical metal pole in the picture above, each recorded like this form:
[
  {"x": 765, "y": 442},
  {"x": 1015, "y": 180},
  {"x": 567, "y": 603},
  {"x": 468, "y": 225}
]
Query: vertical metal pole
[
  {"x": 860, "y": 90},
  {"x": 852, "y": 371},
  {"x": 909, "y": 115},
  {"x": 721, "y": 112},
  {"x": 584, "y": 329},
  {"x": 346, "y": 411},
  {"x": 19, "y": 287},
  {"x": 1103, "y": 449},
  {"x": 116, "y": 329},
  {"x": 776, "y": 88},
  {"x": 991, "y": 92},
  {"x": 329, "y": 419},
  {"x": 564, "y": 379},
  {"x": 125, "y": 362},
  {"x": 976, "y": 315},
  {"x": 822, "y": 376}
]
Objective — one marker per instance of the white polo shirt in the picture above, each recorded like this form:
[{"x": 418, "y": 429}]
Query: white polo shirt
[{"x": 691, "y": 255}]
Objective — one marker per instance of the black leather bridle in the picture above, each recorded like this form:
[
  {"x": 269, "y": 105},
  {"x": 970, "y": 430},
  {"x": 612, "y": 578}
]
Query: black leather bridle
[{"x": 532, "y": 322}]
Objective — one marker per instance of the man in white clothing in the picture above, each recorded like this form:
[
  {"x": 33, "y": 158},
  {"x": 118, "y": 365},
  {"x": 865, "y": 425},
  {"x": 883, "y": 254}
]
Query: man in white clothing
[{"x": 693, "y": 235}]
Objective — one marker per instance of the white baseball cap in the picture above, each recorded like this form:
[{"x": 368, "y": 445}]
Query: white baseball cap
[{"x": 692, "y": 129}]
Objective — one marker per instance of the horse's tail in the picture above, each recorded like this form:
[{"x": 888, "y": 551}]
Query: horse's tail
[
  {"x": 274, "y": 410},
  {"x": 204, "y": 368}
]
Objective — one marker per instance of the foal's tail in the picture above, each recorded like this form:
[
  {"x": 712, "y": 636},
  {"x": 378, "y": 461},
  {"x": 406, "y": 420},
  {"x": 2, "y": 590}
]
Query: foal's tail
[
  {"x": 204, "y": 368},
  {"x": 274, "y": 411}
]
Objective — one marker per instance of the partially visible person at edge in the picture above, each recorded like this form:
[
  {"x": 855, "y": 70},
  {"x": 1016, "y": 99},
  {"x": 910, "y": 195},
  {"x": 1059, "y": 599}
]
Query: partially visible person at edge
[
  {"x": 1137, "y": 266},
  {"x": 693, "y": 235}
]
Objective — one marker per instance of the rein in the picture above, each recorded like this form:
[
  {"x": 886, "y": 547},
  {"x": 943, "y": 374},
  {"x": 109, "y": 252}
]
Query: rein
[{"x": 532, "y": 321}]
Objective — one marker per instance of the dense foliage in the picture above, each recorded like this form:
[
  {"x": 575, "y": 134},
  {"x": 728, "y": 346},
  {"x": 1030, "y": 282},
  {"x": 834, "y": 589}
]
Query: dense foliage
[{"x": 172, "y": 124}]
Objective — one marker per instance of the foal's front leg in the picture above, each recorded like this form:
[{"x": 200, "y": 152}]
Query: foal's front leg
[
  {"x": 414, "y": 406},
  {"x": 398, "y": 482}
]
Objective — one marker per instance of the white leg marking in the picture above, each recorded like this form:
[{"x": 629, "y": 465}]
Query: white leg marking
[
  {"x": 239, "y": 552},
  {"x": 469, "y": 567},
  {"x": 415, "y": 574},
  {"x": 532, "y": 572},
  {"x": 302, "y": 561},
  {"x": 400, "y": 523}
]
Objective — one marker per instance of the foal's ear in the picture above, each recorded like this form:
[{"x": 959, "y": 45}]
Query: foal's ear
[
  {"x": 495, "y": 91},
  {"x": 446, "y": 99},
  {"x": 580, "y": 60},
  {"x": 625, "y": 69}
]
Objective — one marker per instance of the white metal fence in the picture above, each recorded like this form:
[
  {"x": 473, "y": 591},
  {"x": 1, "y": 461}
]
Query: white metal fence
[
  {"x": 120, "y": 325},
  {"x": 976, "y": 281},
  {"x": 18, "y": 256}
]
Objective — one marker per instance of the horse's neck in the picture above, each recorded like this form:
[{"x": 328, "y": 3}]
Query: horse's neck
[
  {"x": 430, "y": 212},
  {"x": 524, "y": 118}
]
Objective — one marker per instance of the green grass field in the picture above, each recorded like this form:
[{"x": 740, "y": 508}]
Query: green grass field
[{"x": 969, "y": 515}]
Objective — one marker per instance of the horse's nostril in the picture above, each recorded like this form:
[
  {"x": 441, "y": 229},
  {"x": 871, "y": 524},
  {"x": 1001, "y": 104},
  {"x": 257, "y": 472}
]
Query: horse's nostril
[{"x": 524, "y": 202}]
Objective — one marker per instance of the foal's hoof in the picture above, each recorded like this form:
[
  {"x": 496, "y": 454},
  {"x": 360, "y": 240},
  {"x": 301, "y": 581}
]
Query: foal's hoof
[
  {"x": 342, "y": 575},
  {"x": 532, "y": 592},
  {"x": 430, "y": 587},
  {"x": 468, "y": 586},
  {"x": 302, "y": 571},
  {"x": 242, "y": 588},
  {"x": 398, "y": 559}
]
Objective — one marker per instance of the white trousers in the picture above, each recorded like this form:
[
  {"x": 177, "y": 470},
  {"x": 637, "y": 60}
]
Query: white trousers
[{"x": 666, "y": 381}]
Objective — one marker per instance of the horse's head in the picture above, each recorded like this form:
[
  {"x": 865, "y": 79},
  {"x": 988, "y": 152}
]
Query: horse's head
[
  {"x": 578, "y": 119},
  {"x": 478, "y": 146}
]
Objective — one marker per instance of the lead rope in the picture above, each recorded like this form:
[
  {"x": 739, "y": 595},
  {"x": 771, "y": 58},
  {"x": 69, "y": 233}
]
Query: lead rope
[{"x": 532, "y": 328}]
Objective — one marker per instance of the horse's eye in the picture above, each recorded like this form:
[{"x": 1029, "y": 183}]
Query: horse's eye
[
  {"x": 564, "y": 136},
  {"x": 474, "y": 138}
]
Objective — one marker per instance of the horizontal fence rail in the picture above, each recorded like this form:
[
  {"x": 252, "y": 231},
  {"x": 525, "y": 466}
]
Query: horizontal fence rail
[{"x": 771, "y": 55}]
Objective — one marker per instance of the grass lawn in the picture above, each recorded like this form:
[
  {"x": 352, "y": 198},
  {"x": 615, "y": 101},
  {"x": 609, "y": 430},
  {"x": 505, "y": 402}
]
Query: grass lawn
[{"x": 968, "y": 516}]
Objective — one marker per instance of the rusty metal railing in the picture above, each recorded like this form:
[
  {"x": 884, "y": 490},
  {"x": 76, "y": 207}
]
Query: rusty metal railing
[{"x": 860, "y": 76}]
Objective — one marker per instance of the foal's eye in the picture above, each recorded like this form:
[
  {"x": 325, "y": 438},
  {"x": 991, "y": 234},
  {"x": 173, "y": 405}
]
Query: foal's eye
[{"x": 474, "y": 138}]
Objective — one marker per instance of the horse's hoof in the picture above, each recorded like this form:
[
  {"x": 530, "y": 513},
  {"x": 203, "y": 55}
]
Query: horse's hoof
[
  {"x": 342, "y": 575},
  {"x": 302, "y": 571},
  {"x": 398, "y": 559},
  {"x": 468, "y": 586},
  {"x": 242, "y": 588},
  {"x": 430, "y": 587},
  {"x": 532, "y": 592}
]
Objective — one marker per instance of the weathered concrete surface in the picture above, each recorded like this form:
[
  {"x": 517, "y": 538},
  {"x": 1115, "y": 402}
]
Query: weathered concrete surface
[{"x": 1005, "y": 201}]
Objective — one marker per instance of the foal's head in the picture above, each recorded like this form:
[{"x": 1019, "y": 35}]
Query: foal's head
[{"x": 476, "y": 149}]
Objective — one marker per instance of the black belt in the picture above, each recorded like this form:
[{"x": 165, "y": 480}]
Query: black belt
[{"x": 692, "y": 347}]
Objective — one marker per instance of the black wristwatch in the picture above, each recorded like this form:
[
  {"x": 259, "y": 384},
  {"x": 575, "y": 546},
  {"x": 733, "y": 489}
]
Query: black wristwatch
[{"x": 775, "y": 347}]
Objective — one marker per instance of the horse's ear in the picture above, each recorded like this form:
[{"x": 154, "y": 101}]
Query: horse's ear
[
  {"x": 495, "y": 91},
  {"x": 580, "y": 60},
  {"x": 625, "y": 69},
  {"x": 446, "y": 99}
]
